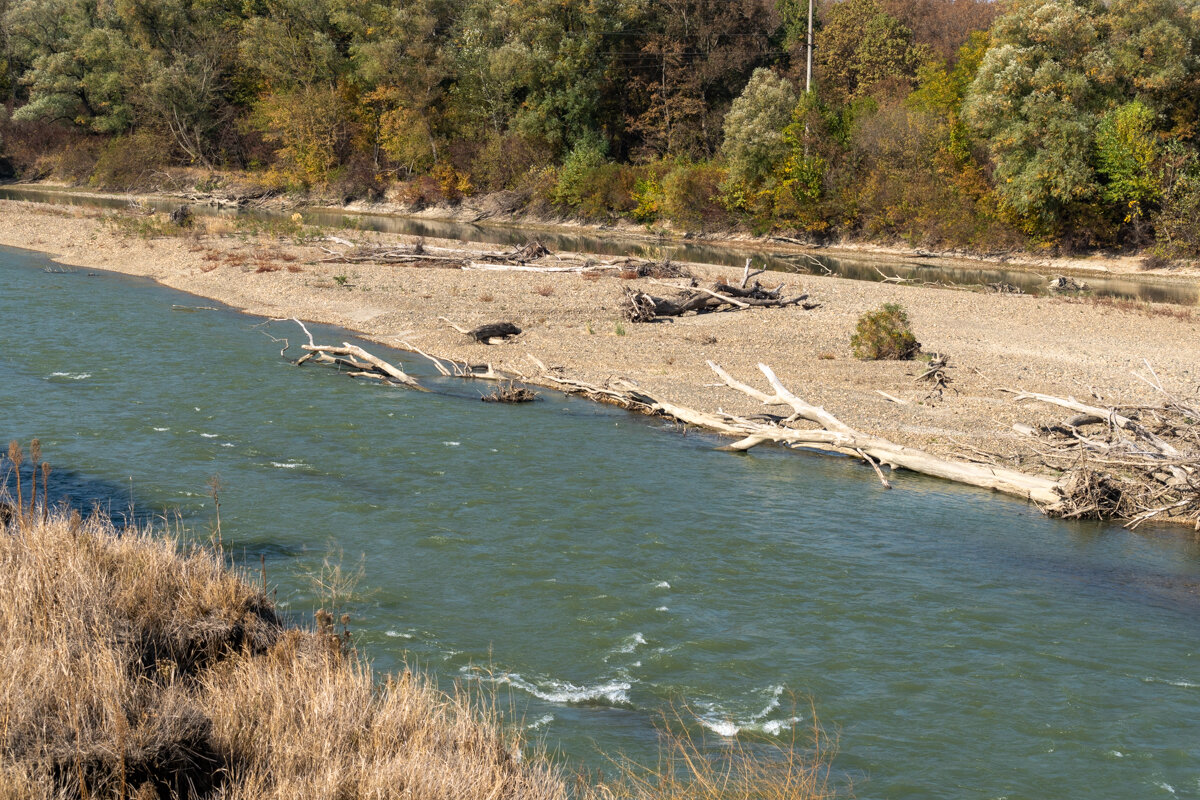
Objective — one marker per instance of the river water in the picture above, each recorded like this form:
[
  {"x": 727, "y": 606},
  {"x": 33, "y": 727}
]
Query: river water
[
  {"x": 600, "y": 568},
  {"x": 1145, "y": 288}
]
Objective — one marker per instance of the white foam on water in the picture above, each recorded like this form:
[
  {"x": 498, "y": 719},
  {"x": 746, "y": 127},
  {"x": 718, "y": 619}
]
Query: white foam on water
[
  {"x": 540, "y": 722},
  {"x": 776, "y": 727},
  {"x": 228, "y": 444},
  {"x": 397, "y": 634},
  {"x": 288, "y": 464},
  {"x": 662, "y": 585},
  {"x": 452, "y": 444},
  {"x": 1165, "y": 786},
  {"x": 1116, "y": 754},
  {"x": 631, "y": 643},
  {"x": 662, "y": 608},
  {"x": 1178, "y": 682},
  {"x": 726, "y": 729},
  {"x": 72, "y": 376},
  {"x": 613, "y": 692},
  {"x": 724, "y": 724},
  {"x": 162, "y": 430},
  {"x": 210, "y": 435},
  {"x": 776, "y": 693}
]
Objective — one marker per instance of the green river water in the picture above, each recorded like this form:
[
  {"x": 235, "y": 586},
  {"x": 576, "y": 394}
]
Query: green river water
[{"x": 599, "y": 568}]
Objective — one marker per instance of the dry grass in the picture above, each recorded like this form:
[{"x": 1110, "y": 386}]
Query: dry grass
[
  {"x": 689, "y": 770},
  {"x": 132, "y": 667},
  {"x": 1143, "y": 308}
]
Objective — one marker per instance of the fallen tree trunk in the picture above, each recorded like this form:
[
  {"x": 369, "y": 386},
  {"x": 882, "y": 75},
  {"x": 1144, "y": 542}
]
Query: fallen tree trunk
[
  {"x": 368, "y": 362},
  {"x": 833, "y": 435}
]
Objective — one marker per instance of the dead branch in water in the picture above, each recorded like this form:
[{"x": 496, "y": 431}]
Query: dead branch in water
[
  {"x": 508, "y": 392},
  {"x": 360, "y": 363},
  {"x": 832, "y": 435}
]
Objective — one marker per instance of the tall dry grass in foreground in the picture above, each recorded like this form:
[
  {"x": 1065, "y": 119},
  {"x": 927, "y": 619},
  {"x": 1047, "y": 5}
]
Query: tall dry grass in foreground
[{"x": 134, "y": 667}]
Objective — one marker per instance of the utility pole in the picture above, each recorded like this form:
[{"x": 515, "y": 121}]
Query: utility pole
[{"x": 808, "y": 77}]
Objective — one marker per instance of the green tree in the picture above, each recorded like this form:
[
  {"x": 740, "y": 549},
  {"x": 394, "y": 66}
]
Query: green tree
[
  {"x": 80, "y": 63},
  {"x": 859, "y": 47},
  {"x": 754, "y": 140},
  {"x": 1127, "y": 158},
  {"x": 1036, "y": 100},
  {"x": 1155, "y": 46},
  {"x": 1177, "y": 225}
]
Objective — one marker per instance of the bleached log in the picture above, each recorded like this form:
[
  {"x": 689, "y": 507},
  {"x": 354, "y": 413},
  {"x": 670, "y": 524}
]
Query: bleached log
[
  {"x": 723, "y": 298},
  {"x": 834, "y": 436},
  {"x": 891, "y": 397},
  {"x": 1119, "y": 420},
  {"x": 347, "y": 349},
  {"x": 477, "y": 266}
]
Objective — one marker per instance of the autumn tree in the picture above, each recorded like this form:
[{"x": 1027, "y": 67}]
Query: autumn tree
[
  {"x": 859, "y": 47},
  {"x": 942, "y": 26},
  {"x": 687, "y": 71}
]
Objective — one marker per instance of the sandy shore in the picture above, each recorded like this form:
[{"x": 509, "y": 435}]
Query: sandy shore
[{"x": 1058, "y": 346}]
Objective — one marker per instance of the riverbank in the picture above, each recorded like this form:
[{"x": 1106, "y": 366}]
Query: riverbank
[
  {"x": 1054, "y": 345},
  {"x": 497, "y": 210}
]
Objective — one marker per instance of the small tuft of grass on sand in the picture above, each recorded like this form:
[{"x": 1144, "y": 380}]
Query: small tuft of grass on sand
[{"x": 1145, "y": 309}]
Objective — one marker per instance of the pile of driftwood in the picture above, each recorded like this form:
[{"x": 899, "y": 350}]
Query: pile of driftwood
[
  {"x": 1063, "y": 284},
  {"x": 1133, "y": 463},
  {"x": 640, "y": 306},
  {"x": 509, "y": 392},
  {"x": 533, "y": 256}
]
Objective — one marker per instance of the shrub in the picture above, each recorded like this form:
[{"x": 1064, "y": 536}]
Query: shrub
[
  {"x": 505, "y": 161},
  {"x": 587, "y": 155},
  {"x": 884, "y": 335},
  {"x": 128, "y": 161},
  {"x": 1176, "y": 228},
  {"x": 692, "y": 196}
]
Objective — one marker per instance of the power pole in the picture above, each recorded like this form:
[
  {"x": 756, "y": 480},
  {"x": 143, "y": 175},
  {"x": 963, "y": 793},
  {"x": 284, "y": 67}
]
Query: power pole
[{"x": 808, "y": 77}]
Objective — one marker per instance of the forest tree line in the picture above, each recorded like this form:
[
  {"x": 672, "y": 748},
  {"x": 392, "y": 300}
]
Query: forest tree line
[{"x": 1063, "y": 124}]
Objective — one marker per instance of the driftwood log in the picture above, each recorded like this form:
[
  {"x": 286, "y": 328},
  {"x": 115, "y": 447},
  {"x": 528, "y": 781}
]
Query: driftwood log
[
  {"x": 639, "y": 306},
  {"x": 832, "y": 435},
  {"x": 489, "y": 333}
]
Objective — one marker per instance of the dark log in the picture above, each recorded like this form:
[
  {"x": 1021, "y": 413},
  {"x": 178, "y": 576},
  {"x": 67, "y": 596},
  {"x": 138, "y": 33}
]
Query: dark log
[{"x": 494, "y": 330}]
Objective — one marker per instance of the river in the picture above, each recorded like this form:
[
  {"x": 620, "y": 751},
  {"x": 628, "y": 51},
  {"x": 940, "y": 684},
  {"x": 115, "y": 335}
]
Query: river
[{"x": 600, "y": 568}]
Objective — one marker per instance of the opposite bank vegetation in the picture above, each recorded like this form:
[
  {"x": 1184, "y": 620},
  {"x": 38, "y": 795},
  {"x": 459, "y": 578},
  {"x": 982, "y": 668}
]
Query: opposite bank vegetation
[
  {"x": 1045, "y": 125},
  {"x": 132, "y": 666}
]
